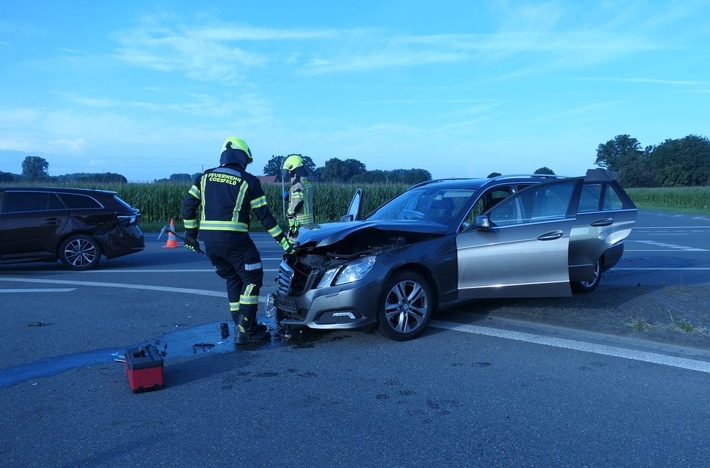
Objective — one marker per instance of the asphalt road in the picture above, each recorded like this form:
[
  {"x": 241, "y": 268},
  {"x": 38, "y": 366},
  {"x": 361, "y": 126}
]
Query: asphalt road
[{"x": 490, "y": 385}]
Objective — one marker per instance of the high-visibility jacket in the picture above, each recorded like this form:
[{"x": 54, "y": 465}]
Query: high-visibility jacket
[
  {"x": 222, "y": 198},
  {"x": 300, "y": 204}
]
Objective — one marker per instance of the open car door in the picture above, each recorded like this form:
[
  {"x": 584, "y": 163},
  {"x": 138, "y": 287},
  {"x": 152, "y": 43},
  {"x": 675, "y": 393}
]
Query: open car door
[
  {"x": 355, "y": 209},
  {"x": 520, "y": 247}
]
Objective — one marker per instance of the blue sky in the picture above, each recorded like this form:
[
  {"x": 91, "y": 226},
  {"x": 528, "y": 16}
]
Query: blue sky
[{"x": 459, "y": 88}]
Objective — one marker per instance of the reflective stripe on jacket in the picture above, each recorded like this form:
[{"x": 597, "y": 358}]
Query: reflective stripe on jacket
[
  {"x": 223, "y": 197},
  {"x": 300, "y": 205}
]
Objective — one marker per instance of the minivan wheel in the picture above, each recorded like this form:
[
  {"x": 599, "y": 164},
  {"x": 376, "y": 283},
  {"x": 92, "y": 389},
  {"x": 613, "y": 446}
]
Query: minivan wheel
[
  {"x": 406, "y": 306},
  {"x": 589, "y": 286},
  {"x": 80, "y": 252}
]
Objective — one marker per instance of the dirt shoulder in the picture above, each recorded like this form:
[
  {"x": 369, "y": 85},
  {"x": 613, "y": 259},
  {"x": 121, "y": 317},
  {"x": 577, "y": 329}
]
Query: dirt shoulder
[{"x": 675, "y": 314}]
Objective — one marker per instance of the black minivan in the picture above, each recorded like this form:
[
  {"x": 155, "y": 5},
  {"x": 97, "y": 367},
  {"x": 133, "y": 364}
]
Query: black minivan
[{"x": 75, "y": 226}]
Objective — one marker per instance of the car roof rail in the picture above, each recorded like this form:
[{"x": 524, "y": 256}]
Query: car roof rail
[
  {"x": 432, "y": 181},
  {"x": 531, "y": 176}
]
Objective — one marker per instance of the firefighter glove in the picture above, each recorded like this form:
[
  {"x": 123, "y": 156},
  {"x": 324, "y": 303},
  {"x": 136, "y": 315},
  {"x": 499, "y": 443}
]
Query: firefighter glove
[
  {"x": 287, "y": 245},
  {"x": 192, "y": 243}
]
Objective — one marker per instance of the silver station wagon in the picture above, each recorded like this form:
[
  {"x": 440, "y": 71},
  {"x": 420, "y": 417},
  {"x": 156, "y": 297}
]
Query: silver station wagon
[{"x": 445, "y": 242}]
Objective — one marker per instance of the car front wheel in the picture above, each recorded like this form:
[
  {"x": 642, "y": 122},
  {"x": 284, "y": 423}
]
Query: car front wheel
[
  {"x": 80, "y": 252},
  {"x": 589, "y": 286},
  {"x": 405, "y": 307}
]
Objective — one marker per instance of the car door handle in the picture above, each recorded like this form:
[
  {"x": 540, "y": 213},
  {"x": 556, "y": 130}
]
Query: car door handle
[
  {"x": 53, "y": 221},
  {"x": 603, "y": 222},
  {"x": 552, "y": 235}
]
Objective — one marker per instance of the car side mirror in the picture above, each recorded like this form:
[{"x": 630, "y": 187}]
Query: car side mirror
[
  {"x": 347, "y": 218},
  {"x": 482, "y": 222}
]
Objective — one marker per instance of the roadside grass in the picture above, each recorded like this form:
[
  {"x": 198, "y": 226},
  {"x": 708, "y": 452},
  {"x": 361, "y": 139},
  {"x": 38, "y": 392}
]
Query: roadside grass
[{"x": 638, "y": 324}]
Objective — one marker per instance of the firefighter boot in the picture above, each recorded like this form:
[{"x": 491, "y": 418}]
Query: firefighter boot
[
  {"x": 248, "y": 331},
  {"x": 261, "y": 327}
]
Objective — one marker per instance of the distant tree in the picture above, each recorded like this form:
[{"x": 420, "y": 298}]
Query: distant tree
[
  {"x": 544, "y": 170},
  {"x": 275, "y": 165},
  {"x": 8, "y": 177},
  {"x": 35, "y": 168},
  {"x": 409, "y": 176},
  {"x": 684, "y": 162},
  {"x": 402, "y": 176},
  {"x": 623, "y": 154},
  {"x": 493, "y": 174},
  {"x": 370, "y": 177},
  {"x": 181, "y": 178},
  {"x": 93, "y": 178},
  {"x": 336, "y": 170}
]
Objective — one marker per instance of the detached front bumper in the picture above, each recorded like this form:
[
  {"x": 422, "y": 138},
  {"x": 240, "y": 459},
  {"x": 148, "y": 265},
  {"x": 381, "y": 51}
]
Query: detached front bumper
[{"x": 347, "y": 306}]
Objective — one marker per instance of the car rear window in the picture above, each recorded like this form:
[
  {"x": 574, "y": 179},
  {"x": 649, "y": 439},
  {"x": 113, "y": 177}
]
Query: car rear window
[
  {"x": 125, "y": 205},
  {"x": 19, "y": 202},
  {"x": 78, "y": 202},
  {"x": 592, "y": 196}
]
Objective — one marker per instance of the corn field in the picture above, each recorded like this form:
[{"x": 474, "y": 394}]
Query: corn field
[
  {"x": 160, "y": 203},
  {"x": 692, "y": 199}
]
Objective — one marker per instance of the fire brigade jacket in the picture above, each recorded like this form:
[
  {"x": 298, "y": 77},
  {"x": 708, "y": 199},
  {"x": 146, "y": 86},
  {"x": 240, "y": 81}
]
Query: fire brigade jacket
[
  {"x": 223, "y": 198},
  {"x": 300, "y": 207}
]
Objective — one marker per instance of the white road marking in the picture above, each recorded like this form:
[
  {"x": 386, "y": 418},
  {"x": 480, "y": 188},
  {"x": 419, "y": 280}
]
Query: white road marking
[
  {"x": 172, "y": 270},
  {"x": 670, "y": 246},
  {"x": 654, "y": 358},
  {"x": 44, "y": 290},
  {"x": 199, "y": 292},
  {"x": 662, "y": 269},
  {"x": 643, "y": 356}
]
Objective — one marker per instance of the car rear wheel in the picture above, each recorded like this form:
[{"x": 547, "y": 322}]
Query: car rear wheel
[
  {"x": 80, "y": 252},
  {"x": 589, "y": 286},
  {"x": 405, "y": 307}
]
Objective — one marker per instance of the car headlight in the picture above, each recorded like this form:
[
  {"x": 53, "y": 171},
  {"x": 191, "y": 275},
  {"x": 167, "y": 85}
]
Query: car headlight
[{"x": 349, "y": 273}]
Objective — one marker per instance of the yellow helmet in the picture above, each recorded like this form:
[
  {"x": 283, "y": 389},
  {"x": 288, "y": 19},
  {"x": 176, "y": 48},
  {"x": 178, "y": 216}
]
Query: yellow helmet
[
  {"x": 292, "y": 162},
  {"x": 237, "y": 143}
]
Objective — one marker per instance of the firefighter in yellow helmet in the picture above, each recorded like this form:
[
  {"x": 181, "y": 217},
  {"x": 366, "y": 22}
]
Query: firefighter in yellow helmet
[
  {"x": 300, "y": 196},
  {"x": 218, "y": 206}
]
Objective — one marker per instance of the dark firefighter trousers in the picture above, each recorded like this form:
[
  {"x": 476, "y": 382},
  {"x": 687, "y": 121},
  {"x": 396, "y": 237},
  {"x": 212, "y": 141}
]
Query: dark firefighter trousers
[{"x": 239, "y": 263}]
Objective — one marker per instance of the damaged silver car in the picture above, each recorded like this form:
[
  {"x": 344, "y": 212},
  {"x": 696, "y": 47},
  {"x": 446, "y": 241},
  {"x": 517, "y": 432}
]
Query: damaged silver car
[{"x": 446, "y": 242}]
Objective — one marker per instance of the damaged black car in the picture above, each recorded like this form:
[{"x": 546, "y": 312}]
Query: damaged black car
[{"x": 446, "y": 242}]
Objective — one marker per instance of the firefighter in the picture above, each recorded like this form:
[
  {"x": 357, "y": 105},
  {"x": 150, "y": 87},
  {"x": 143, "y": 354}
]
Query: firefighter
[
  {"x": 223, "y": 198},
  {"x": 300, "y": 196}
]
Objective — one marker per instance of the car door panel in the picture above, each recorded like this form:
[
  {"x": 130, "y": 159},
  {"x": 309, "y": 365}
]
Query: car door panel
[
  {"x": 524, "y": 250},
  {"x": 24, "y": 235},
  {"x": 514, "y": 261},
  {"x": 29, "y": 224},
  {"x": 606, "y": 217}
]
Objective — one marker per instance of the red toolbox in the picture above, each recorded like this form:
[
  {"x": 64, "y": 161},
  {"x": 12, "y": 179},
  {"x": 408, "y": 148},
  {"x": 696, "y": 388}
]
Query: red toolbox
[{"x": 144, "y": 367}]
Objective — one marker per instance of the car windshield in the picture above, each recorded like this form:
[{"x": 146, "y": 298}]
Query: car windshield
[{"x": 437, "y": 204}]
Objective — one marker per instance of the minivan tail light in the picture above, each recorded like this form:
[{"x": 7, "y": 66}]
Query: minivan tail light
[{"x": 129, "y": 220}]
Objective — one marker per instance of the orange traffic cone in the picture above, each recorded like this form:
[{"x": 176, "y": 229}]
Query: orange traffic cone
[{"x": 172, "y": 240}]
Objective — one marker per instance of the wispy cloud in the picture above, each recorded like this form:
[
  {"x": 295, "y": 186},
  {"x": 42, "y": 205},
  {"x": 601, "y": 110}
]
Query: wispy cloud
[
  {"x": 647, "y": 81},
  {"x": 544, "y": 34}
]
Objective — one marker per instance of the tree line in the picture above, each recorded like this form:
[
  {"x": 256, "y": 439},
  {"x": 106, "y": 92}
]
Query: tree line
[
  {"x": 683, "y": 162},
  {"x": 673, "y": 163},
  {"x": 36, "y": 169},
  {"x": 349, "y": 170}
]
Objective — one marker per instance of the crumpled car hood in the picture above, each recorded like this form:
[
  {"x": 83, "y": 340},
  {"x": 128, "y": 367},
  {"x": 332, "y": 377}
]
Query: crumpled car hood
[{"x": 329, "y": 233}]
